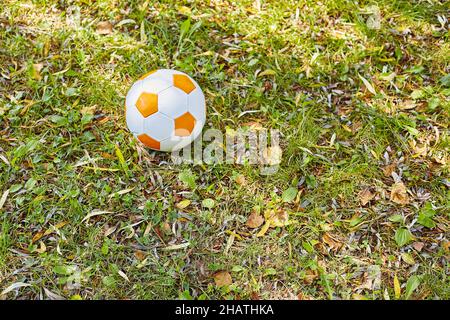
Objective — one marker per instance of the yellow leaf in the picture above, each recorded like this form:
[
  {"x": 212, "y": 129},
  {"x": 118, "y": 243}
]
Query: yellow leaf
[
  {"x": 184, "y": 10},
  {"x": 183, "y": 204},
  {"x": 268, "y": 72},
  {"x": 37, "y": 67},
  {"x": 121, "y": 157},
  {"x": 264, "y": 229},
  {"x": 277, "y": 218},
  {"x": 397, "y": 289},
  {"x": 42, "y": 247}
]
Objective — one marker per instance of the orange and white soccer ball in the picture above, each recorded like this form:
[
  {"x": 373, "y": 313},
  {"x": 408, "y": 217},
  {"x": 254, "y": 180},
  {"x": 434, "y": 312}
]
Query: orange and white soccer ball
[{"x": 165, "y": 110}]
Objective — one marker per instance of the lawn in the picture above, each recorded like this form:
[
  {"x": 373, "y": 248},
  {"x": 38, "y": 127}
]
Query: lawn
[{"x": 358, "y": 89}]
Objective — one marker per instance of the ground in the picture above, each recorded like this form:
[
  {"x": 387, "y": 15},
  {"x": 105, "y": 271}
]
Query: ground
[{"x": 358, "y": 89}]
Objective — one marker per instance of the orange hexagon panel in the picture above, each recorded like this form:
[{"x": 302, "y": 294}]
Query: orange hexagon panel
[
  {"x": 149, "y": 141},
  {"x": 147, "y": 103},
  {"x": 184, "y": 125},
  {"x": 183, "y": 82}
]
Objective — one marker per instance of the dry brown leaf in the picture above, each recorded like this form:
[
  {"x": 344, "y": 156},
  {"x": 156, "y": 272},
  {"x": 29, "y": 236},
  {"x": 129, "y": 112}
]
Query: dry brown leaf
[
  {"x": 446, "y": 246},
  {"x": 253, "y": 125},
  {"x": 222, "y": 278},
  {"x": 418, "y": 246},
  {"x": 140, "y": 255},
  {"x": 331, "y": 241},
  {"x": 406, "y": 105},
  {"x": 387, "y": 170},
  {"x": 279, "y": 218},
  {"x": 254, "y": 220},
  {"x": 240, "y": 180},
  {"x": 104, "y": 27},
  {"x": 365, "y": 196},
  {"x": 310, "y": 276},
  {"x": 398, "y": 193},
  {"x": 440, "y": 157}
]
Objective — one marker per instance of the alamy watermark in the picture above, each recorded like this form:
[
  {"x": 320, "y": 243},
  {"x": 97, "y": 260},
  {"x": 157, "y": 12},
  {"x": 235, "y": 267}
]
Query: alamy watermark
[{"x": 254, "y": 146}]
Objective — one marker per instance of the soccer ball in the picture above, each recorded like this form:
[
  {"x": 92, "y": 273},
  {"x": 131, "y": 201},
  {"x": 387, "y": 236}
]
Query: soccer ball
[{"x": 165, "y": 110}]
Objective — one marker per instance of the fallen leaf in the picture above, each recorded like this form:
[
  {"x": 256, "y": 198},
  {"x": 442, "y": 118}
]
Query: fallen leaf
[
  {"x": 52, "y": 295},
  {"x": 110, "y": 230},
  {"x": 398, "y": 193},
  {"x": 254, "y": 220},
  {"x": 229, "y": 243},
  {"x": 411, "y": 285},
  {"x": 183, "y": 204},
  {"x": 397, "y": 289},
  {"x": 222, "y": 278},
  {"x": 93, "y": 214},
  {"x": 419, "y": 149},
  {"x": 263, "y": 229},
  {"x": 367, "y": 84},
  {"x": 49, "y": 231},
  {"x": 37, "y": 67},
  {"x": 277, "y": 218},
  {"x": 408, "y": 258},
  {"x": 365, "y": 196},
  {"x": 88, "y": 110},
  {"x": 3, "y": 198},
  {"x": 268, "y": 72},
  {"x": 123, "y": 275},
  {"x": 184, "y": 10},
  {"x": 104, "y": 27},
  {"x": 253, "y": 125},
  {"x": 310, "y": 276},
  {"x": 240, "y": 180},
  {"x": 446, "y": 246},
  {"x": 121, "y": 192},
  {"x": 140, "y": 255},
  {"x": 14, "y": 286},
  {"x": 331, "y": 241},
  {"x": 176, "y": 246},
  {"x": 42, "y": 247},
  {"x": 387, "y": 170},
  {"x": 418, "y": 246},
  {"x": 289, "y": 194},
  {"x": 407, "y": 105}
]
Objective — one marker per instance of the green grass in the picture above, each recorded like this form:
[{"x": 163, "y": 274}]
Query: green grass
[{"x": 62, "y": 90}]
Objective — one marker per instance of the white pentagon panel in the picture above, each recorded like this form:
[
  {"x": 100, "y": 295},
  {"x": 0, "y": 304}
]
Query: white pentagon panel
[
  {"x": 173, "y": 102},
  {"x": 196, "y": 105},
  {"x": 166, "y": 74},
  {"x": 134, "y": 119},
  {"x": 159, "y": 126},
  {"x": 175, "y": 143},
  {"x": 155, "y": 84}
]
